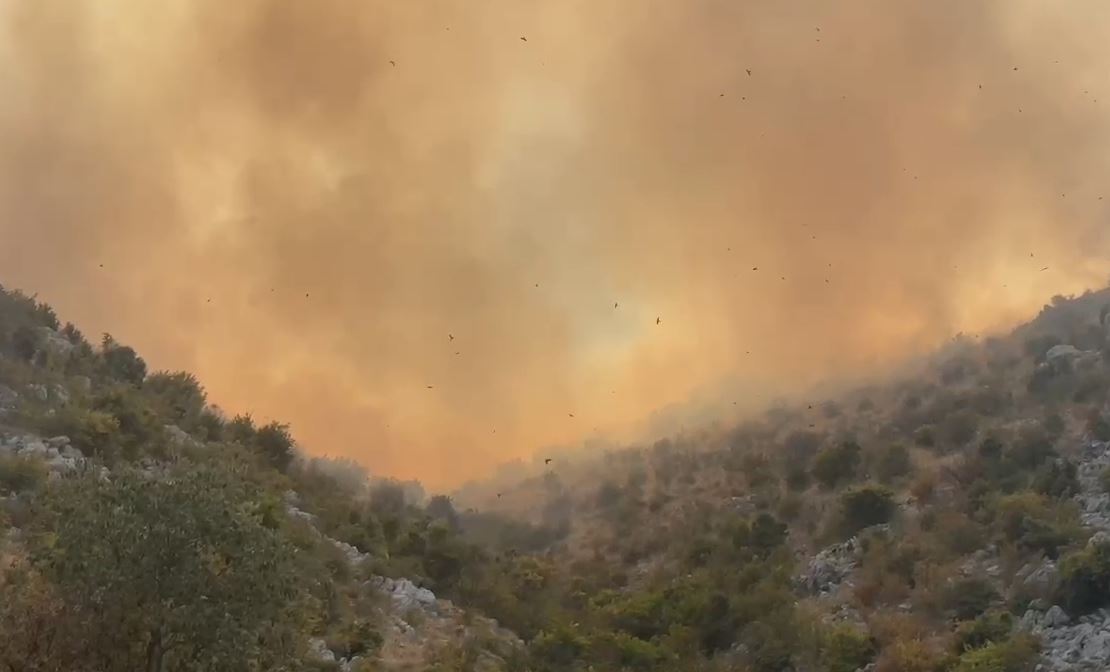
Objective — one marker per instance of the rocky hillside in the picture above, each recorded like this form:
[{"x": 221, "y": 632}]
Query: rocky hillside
[
  {"x": 141, "y": 528},
  {"x": 954, "y": 516}
]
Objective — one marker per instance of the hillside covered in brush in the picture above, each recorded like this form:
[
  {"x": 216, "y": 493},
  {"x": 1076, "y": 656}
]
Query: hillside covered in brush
[{"x": 955, "y": 517}]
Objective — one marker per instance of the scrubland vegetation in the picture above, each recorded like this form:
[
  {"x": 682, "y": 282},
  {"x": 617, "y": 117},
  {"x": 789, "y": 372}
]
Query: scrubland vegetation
[{"x": 172, "y": 547}]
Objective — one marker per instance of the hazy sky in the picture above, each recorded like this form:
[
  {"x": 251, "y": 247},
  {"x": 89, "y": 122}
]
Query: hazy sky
[{"x": 302, "y": 202}]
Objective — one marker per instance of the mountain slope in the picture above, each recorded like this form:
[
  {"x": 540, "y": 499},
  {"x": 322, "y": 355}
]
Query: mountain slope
[{"x": 951, "y": 517}]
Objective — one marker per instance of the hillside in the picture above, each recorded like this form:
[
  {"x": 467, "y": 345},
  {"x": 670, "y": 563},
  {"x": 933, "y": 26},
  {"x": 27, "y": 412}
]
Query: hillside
[{"x": 955, "y": 516}]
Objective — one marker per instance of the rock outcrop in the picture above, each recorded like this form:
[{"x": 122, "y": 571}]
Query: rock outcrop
[{"x": 1070, "y": 645}]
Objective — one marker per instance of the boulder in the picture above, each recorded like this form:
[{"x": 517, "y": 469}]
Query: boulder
[
  {"x": 8, "y": 397},
  {"x": 404, "y": 594},
  {"x": 318, "y": 649},
  {"x": 178, "y": 437},
  {"x": 58, "y": 442},
  {"x": 830, "y": 567},
  {"x": 1055, "y": 617},
  {"x": 1062, "y": 352}
]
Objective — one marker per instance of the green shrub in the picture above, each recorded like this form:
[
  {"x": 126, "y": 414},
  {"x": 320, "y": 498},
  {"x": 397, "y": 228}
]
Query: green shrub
[
  {"x": 836, "y": 465},
  {"x": 909, "y": 655},
  {"x": 95, "y": 433},
  {"x": 844, "y": 648},
  {"x": 177, "y": 397},
  {"x": 122, "y": 362},
  {"x": 1085, "y": 578},
  {"x": 1057, "y": 478},
  {"x": 1030, "y": 521},
  {"x": 18, "y": 474},
  {"x": 1018, "y": 654},
  {"x": 969, "y": 597},
  {"x": 866, "y": 505},
  {"x": 993, "y": 626}
]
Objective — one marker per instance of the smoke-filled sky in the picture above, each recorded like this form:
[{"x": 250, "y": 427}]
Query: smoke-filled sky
[{"x": 303, "y": 202}]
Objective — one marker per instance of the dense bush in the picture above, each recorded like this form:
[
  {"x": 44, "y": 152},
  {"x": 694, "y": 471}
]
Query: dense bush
[
  {"x": 1085, "y": 578},
  {"x": 967, "y": 598},
  {"x": 189, "y": 566},
  {"x": 865, "y": 506},
  {"x": 18, "y": 474},
  {"x": 122, "y": 362},
  {"x": 836, "y": 465},
  {"x": 844, "y": 648},
  {"x": 993, "y": 626},
  {"x": 1018, "y": 654}
]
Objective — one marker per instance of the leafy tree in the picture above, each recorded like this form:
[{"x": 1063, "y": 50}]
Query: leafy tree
[
  {"x": 275, "y": 443},
  {"x": 168, "y": 573},
  {"x": 122, "y": 362},
  {"x": 833, "y": 466},
  {"x": 441, "y": 508},
  {"x": 176, "y": 397},
  {"x": 865, "y": 506},
  {"x": 894, "y": 462}
]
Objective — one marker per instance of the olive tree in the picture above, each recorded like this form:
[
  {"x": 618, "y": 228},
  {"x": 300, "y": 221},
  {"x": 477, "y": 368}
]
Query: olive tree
[{"x": 185, "y": 571}]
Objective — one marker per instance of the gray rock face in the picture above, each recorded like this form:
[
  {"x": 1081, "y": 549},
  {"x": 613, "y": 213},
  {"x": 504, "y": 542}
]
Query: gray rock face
[
  {"x": 1063, "y": 351},
  {"x": 1093, "y": 501},
  {"x": 178, "y": 437},
  {"x": 404, "y": 594},
  {"x": 1070, "y": 645},
  {"x": 828, "y": 569},
  {"x": 38, "y": 392}
]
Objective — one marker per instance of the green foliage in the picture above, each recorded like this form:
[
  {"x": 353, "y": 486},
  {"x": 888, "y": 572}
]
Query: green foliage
[
  {"x": 161, "y": 571},
  {"x": 836, "y": 465},
  {"x": 272, "y": 442},
  {"x": 275, "y": 443},
  {"x": 969, "y": 597},
  {"x": 19, "y": 474},
  {"x": 122, "y": 362},
  {"x": 844, "y": 648},
  {"x": 866, "y": 505},
  {"x": 1057, "y": 478},
  {"x": 95, "y": 433},
  {"x": 1031, "y": 522},
  {"x": 1085, "y": 578},
  {"x": 1018, "y": 654},
  {"x": 176, "y": 397},
  {"x": 993, "y": 626}
]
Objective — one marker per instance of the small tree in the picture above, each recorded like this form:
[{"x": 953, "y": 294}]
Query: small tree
[
  {"x": 165, "y": 573},
  {"x": 177, "y": 397},
  {"x": 836, "y": 465},
  {"x": 865, "y": 506},
  {"x": 275, "y": 443},
  {"x": 123, "y": 363}
]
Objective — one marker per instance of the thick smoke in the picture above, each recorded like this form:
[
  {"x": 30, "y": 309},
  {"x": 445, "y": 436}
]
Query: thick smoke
[{"x": 303, "y": 202}]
